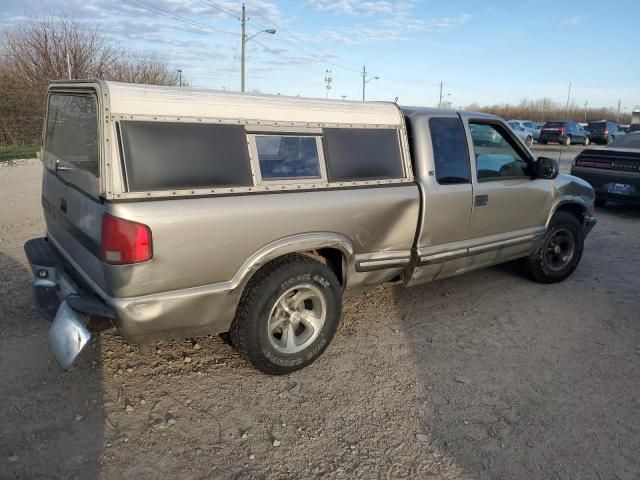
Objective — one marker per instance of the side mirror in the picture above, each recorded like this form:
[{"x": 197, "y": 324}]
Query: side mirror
[{"x": 547, "y": 168}]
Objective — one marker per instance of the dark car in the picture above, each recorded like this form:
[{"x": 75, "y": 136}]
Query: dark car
[
  {"x": 564, "y": 133},
  {"x": 614, "y": 171},
  {"x": 604, "y": 131},
  {"x": 634, "y": 127}
]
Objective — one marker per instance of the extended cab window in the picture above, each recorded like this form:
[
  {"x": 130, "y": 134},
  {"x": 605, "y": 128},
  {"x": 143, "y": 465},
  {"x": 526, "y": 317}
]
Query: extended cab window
[
  {"x": 166, "y": 155},
  {"x": 496, "y": 157},
  {"x": 355, "y": 154},
  {"x": 449, "y": 150},
  {"x": 284, "y": 157},
  {"x": 71, "y": 135}
]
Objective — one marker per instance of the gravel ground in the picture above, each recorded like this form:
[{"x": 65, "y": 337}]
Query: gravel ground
[{"x": 486, "y": 375}]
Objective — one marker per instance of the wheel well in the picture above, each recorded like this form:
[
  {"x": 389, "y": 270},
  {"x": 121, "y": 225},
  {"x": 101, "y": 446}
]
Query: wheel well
[
  {"x": 574, "y": 209},
  {"x": 332, "y": 258}
]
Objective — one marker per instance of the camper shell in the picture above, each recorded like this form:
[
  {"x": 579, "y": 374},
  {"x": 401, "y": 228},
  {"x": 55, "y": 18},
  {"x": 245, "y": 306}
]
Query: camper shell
[{"x": 168, "y": 208}]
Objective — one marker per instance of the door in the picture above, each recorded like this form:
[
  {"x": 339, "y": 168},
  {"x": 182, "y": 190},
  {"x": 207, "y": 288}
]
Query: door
[
  {"x": 510, "y": 207},
  {"x": 443, "y": 174}
]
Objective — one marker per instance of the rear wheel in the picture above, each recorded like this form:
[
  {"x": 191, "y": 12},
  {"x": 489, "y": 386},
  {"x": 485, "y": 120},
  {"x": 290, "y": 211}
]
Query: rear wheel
[
  {"x": 560, "y": 252},
  {"x": 288, "y": 314},
  {"x": 587, "y": 141},
  {"x": 529, "y": 141},
  {"x": 567, "y": 140},
  {"x": 609, "y": 139}
]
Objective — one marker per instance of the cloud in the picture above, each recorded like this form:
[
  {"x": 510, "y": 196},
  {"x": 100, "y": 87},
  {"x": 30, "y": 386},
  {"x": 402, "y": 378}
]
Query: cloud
[
  {"x": 571, "y": 21},
  {"x": 442, "y": 24},
  {"x": 357, "y": 7}
]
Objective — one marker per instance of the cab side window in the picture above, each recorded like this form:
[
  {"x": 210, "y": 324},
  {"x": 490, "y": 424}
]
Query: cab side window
[
  {"x": 449, "y": 151},
  {"x": 495, "y": 154}
]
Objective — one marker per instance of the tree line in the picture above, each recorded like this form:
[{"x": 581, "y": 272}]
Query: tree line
[
  {"x": 38, "y": 51},
  {"x": 545, "y": 109}
]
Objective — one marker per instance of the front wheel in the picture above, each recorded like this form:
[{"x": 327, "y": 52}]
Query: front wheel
[
  {"x": 587, "y": 141},
  {"x": 560, "y": 252},
  {"x": 528, "y": 141},
  {"x": 288, "y": 314},
  {"x": 567, "y": 140}
]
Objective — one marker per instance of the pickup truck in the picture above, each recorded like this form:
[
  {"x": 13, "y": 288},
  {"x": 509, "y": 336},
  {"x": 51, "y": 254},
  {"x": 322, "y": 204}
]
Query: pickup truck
[{"x": 180, "y": 212}]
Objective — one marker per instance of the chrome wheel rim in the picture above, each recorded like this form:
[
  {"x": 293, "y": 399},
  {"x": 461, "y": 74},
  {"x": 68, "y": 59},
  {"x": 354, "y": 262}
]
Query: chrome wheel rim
[
  {"x": 296, "y": 319},
  {"x": 559, "y": 249}
]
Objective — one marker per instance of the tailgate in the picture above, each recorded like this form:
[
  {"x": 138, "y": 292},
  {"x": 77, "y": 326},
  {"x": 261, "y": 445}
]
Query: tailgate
[{"x": 71, "y": 180}]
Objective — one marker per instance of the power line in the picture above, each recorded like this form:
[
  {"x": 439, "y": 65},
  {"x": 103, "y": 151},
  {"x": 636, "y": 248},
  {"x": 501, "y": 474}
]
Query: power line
[
  {"x": 165, "y": 13},
  {"x": 221, "y": 9}
]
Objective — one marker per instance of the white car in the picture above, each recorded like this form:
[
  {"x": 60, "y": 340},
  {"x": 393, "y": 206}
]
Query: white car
[
  {"x": 531, "y": 126},
  {"x": 525, "y": 135}
]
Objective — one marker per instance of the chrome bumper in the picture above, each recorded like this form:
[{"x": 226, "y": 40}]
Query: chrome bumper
[{"x": 59, "y": 298}]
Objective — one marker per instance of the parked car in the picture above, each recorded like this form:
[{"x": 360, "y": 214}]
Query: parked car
[
  {"x": 604, "y": 131},
  {"x": 485, "y": 134},
  {"x": 614, "y": 171},
  {"x": 565, "y": 133},
  {"x": 530, "y": 126},
  {"x": 634, "y": 127},
  {"x": 177, "y": 213},
  {"x": 524, "y": 134}
]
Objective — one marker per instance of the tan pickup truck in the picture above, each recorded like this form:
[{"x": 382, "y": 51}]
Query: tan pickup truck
[{"x": 177, "y": 212}]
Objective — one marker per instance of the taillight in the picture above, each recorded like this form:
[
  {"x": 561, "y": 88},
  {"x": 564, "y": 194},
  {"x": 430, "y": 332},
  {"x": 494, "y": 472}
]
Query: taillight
[
  {"x": 606, "y": 132},
  {"x": 561, "y": 129},
  {"x": 124, "y": 241}
]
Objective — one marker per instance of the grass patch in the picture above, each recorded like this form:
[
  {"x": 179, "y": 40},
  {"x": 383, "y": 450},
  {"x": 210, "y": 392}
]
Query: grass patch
[{"x": 18, "y": 151}]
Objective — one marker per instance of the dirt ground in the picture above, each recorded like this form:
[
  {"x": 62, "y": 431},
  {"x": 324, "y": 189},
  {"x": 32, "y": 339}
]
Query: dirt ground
[{"x": 486, "y": 375}]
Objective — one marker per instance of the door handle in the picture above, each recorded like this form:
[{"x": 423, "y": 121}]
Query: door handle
[{"x": 481, "y": 200}]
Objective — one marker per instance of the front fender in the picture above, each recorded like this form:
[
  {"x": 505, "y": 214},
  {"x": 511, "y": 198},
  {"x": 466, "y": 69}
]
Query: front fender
[{"x": 570, "y": 190}]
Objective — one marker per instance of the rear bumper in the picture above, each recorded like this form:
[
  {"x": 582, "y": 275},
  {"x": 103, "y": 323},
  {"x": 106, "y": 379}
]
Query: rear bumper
[
  {"x": 551, "y": 137},
  {"x": 59, "y": 298},
  {"x": 601, "y": 179}
]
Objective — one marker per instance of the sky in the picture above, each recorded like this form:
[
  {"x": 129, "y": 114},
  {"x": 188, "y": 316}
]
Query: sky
[{"x": 484, "y": 52}]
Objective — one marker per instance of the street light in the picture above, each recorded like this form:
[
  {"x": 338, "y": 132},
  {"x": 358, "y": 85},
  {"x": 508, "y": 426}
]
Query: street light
[
  {"x": 245, "y": 39},
  {"x": 179, "y": 77}
]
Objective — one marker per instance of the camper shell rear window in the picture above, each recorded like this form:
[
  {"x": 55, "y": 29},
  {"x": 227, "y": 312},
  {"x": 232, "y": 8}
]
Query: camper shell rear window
[{"x": 172, "y": 155}]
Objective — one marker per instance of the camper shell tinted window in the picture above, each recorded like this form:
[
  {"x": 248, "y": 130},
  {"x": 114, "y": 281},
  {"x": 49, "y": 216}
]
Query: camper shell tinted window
[
  {"x": 354, "y": 154},
  {"x": 168, "y": 155},
  {"x": 71, "y": 134}
]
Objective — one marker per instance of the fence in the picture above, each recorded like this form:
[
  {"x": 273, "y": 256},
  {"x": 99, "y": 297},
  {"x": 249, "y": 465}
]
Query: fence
[{"x": 21, "y": 116}]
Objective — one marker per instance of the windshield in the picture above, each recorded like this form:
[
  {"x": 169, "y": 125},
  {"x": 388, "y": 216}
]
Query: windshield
[{"x": 631, "y": 140}]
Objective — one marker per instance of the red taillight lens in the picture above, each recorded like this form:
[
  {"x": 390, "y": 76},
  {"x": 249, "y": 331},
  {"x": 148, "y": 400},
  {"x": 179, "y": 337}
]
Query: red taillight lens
[
  {"x": 561, "y": 129},
  {"x": 124, "y": 241}
]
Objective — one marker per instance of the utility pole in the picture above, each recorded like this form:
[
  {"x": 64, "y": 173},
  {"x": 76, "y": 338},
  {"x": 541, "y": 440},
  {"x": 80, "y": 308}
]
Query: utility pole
[
  {"x": 618, "y": 114},
  {"x": 544, "y": 104},
  {"x": 365, "y": 81},
  {"x": 440, "y": 101},
  {"x": 585, "y": 110},
  {"x": 68, "y": 66},
  {"x": 244, "y": 41},
  {"x": 179, "y": 77},
  {"x": 327, "y": 81},
  {"x": 568, "y": 97}
]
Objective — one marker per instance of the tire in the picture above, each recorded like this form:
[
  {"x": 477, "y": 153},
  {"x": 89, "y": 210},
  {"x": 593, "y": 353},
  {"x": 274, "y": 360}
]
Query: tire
[
  {"x": 567, "y": 141},
  {"x": 587, "y": 141},
  {"x": 274, "y": 331},
  {"x": 600, "y": 202},
  {"x": 529, "y": 141},
  {"x": 548, "y": 264},
  {"x": 609, "y": 140}
]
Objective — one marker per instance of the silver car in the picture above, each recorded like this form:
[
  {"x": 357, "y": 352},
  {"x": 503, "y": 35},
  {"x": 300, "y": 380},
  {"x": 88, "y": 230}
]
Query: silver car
[
  {"x": 524, "y": 134},
  {"x": 176, "y": 213}
]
